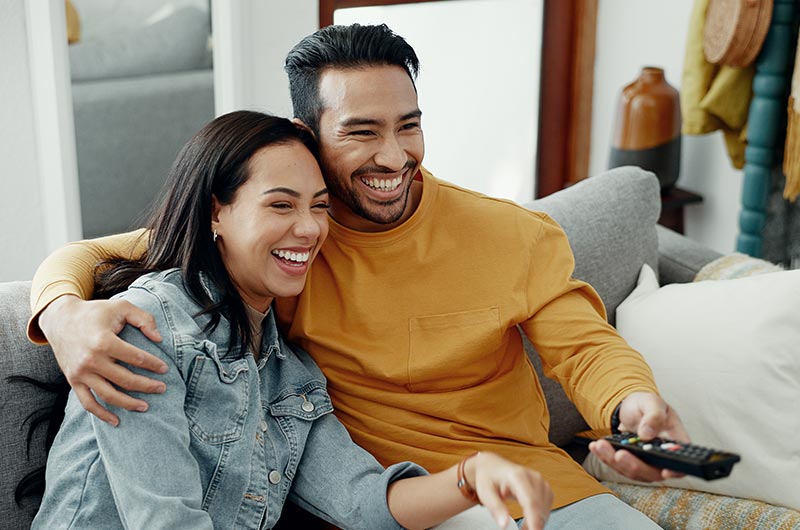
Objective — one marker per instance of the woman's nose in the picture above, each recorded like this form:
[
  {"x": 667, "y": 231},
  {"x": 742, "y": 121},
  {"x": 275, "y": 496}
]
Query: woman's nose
[{"x": 306, "y": 225}]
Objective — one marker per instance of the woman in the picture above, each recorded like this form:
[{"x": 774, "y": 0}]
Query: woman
[{"x": 245, "y": 422}]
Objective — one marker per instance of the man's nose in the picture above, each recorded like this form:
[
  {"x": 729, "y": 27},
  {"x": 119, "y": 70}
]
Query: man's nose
[{"x": 391, "y": 154}]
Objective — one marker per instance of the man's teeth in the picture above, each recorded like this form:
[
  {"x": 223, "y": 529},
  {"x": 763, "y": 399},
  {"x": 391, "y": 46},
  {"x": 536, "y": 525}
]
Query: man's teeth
[
  {"x": 299, "y": 257},
  {"x": 383, "y": 185}
]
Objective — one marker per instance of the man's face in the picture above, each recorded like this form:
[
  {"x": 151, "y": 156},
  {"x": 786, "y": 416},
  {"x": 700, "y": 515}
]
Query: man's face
[{"x": 371, "y": 145}]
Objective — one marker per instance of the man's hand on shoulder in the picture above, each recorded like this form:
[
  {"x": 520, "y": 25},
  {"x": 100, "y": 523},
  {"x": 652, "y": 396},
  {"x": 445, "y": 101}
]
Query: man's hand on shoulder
[
  {"x": 83, "y": 335},
  {"x": 649, "y": 416}
]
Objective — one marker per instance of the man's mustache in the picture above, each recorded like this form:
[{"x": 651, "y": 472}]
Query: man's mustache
[{"x": 382, "y": 169}]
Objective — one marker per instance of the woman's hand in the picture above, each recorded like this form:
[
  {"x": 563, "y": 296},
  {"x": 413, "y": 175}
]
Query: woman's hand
[
  {"x": 496, "y": 479},
  {"x": 426, "y": 501}
]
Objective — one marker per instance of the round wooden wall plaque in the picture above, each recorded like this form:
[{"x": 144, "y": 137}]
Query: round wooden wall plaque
[{"x": 735, "y": 30}]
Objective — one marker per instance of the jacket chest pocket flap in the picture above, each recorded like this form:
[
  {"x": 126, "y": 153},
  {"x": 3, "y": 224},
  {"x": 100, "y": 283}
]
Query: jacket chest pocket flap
[
  {"x": 453, "y": 350},
  {"x": 216, "y": 396},
  {"x": 307, "y": 402}
]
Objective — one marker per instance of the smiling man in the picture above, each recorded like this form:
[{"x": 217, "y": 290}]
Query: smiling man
[
  {"x": 371, "y": 140},
  {"x": 414, "y": 306}
]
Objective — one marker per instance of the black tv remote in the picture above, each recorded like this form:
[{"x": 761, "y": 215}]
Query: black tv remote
[{"x": 686, "y": 458}]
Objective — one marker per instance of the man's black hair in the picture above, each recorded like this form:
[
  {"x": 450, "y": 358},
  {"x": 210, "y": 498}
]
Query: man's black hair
[{"x": 341, "y": 47}]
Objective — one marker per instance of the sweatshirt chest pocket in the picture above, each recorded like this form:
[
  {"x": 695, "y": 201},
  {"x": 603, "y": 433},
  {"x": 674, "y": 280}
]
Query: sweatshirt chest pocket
[
  {"x": 216, "y": 398},
  {"x": 453, "y": 350}
]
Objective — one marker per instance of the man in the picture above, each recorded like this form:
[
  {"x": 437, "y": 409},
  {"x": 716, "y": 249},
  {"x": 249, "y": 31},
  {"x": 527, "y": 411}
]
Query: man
[{"x": 412, "y": 307}]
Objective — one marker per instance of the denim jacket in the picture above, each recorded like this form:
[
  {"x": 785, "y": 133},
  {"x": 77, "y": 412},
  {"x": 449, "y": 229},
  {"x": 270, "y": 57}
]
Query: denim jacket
[{"x": 224, "y": 447}]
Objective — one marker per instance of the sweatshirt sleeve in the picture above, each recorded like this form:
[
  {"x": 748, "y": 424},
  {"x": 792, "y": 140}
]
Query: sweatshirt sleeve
[
  {"x": 568, "y": 326},
  {"x": 70, "y": 270}
]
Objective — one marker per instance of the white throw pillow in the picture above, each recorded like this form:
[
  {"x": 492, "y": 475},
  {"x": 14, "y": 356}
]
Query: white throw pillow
[{"x": 726, "y": 356}]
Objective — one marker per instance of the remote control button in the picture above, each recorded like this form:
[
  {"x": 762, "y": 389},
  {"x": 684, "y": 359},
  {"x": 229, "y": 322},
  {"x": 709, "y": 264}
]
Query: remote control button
[{"x": 647, "y": 447}]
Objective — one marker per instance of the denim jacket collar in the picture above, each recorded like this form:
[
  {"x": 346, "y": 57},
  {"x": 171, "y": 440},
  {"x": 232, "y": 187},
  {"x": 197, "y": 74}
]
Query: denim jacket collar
[{"x": 270, "y": 341}]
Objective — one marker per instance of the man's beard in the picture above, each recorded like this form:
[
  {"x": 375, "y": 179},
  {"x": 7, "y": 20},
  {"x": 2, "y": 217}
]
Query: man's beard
[{"x": 383, "y": 213}]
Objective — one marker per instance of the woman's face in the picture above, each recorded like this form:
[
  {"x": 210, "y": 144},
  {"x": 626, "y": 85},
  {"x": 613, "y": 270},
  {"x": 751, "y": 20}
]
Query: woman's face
[{"x": 274, "y": 227}]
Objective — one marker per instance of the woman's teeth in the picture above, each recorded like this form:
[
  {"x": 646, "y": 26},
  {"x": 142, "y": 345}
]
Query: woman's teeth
[{"x": 297, "y": 257}]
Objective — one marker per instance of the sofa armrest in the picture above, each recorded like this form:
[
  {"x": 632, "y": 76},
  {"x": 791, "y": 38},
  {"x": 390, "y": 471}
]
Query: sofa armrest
[{"x": 680, "y": 258}]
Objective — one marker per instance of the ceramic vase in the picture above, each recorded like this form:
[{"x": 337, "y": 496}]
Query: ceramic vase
[{"x": 647, "y": 128}]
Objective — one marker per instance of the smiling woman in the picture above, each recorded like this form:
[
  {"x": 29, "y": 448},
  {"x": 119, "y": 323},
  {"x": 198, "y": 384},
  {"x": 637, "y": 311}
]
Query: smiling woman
[{"x": 280, "y": 216}]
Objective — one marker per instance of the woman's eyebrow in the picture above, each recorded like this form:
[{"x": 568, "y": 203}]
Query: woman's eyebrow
[
  {"x": 287, "y": 191},
  {"x": 293, "y": 193}
]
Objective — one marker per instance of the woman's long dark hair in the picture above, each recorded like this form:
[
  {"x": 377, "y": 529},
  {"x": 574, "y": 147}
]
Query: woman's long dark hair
[{"x": 214, "y": 162}]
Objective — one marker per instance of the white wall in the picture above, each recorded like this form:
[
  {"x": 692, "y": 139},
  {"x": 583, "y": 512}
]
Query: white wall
[
  {"x": 491, "y": 147},
  {"x": 251, "y": 39},
  {"x": 633, "y": 34},
  {"x": 478, "y": 87},
  {"x": 22, "y": 231}
]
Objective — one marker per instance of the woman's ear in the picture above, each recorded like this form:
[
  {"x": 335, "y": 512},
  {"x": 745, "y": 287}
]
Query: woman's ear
[
  {"x": 300, "y": 123},
  {"x": 215, "y": 208}
]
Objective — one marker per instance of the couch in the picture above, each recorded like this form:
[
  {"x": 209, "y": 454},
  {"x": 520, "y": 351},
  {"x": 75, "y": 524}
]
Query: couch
[
  {"x": 610, "y": 220},
  {"x": 142, "y": 85}
]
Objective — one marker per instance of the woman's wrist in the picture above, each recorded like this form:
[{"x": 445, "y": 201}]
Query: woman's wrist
[{"x": 466, "y": 478}]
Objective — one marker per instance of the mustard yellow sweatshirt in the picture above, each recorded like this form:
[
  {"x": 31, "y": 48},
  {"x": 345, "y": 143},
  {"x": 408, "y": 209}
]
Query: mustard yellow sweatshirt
[{"x": 416, "y": 330}]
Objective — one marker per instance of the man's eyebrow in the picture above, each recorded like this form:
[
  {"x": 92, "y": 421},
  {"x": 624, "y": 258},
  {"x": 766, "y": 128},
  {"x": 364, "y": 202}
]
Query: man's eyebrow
[
  {"x": 354, "y": 122},
  {"x": 413, "y": 114}
]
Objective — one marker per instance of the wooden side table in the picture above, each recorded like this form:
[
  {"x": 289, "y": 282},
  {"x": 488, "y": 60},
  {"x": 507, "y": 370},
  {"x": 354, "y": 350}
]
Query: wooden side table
[{"x": 672, "y": 202}]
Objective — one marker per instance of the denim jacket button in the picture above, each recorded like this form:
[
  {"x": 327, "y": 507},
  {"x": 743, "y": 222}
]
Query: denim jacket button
[
  {"x": 263, "y": 426},
  {"x": 307, "y": 406},
  {"x": 274, "y": 477}
]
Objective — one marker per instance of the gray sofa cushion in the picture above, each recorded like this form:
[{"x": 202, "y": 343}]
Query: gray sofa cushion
[
  {"x": 18, "y": 400},
  {"x": 609, "y": 252},
  {"x": 178, "y": 42},
  {"x": 127, "y": 134}
]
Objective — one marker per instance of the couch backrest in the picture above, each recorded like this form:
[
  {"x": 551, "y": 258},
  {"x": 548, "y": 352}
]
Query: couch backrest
[
  {"x": 610, "y": 220},
  {"x": 18, "y": 401}
]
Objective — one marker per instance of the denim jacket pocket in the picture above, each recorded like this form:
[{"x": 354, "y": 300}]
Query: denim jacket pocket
[
  {"x": 295, "y": 411},
  {"x": 307, "y": 402},
  {"x": 216, "y": 396}
]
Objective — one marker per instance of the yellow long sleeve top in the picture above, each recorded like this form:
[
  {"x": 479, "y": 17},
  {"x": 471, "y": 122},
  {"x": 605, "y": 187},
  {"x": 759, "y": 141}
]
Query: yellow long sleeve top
[{"x": 416, "y": 330}]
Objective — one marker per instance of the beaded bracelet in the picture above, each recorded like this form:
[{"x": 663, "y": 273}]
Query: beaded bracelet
[{"x": 463, "y": 486}]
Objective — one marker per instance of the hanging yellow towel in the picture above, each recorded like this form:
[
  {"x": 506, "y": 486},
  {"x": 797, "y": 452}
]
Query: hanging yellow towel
[
  {"x": 73, "y": 24},
  {"x": 714, "y": 97},
  {"x": 791, "y": 154}
]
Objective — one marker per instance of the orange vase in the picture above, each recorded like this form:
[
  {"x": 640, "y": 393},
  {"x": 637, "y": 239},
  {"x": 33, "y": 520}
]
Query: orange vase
[{"x": 647, "y": 130}]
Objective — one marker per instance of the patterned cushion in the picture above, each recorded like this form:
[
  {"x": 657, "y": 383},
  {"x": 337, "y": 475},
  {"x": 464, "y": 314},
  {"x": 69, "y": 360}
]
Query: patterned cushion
[{"x": 680, "y": 509}]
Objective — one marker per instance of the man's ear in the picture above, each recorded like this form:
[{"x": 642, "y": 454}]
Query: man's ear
[{"x": 300, "y": 123}]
